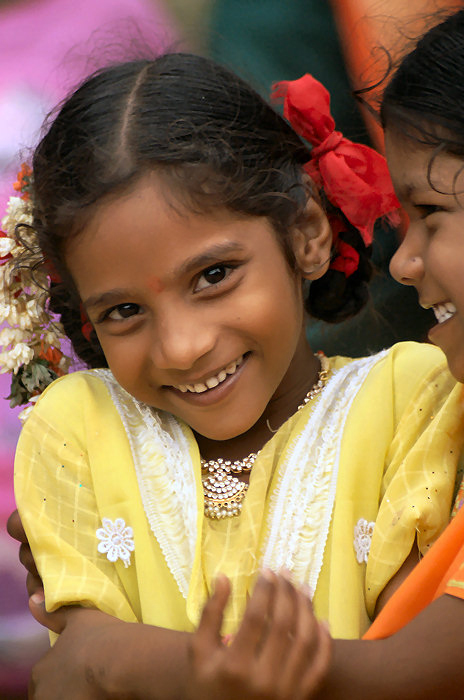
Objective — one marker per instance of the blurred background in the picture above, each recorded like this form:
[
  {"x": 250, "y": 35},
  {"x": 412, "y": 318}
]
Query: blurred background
[{"x": 47, "y": 46}]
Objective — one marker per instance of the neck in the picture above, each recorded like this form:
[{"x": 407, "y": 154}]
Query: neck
[{"x": 300, "y": 377}]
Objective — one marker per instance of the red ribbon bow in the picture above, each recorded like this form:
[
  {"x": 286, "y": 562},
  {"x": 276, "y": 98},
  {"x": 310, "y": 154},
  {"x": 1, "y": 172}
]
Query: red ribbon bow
[{"x": 354, "y": 177}]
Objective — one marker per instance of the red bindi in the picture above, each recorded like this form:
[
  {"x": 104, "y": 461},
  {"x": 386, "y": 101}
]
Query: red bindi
[{"x": 155, "y": 284}]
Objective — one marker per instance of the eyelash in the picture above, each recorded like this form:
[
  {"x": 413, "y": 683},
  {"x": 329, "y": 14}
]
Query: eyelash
[
  {"x": 226, "y": 268},
  {"x": 427, "y": 209},
  {"x": 107, "y": 314}
]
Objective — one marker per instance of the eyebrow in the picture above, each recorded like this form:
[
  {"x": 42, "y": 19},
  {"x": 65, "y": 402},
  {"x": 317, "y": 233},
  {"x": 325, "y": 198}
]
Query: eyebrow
[
  {"x": 208, "y": 257},
  {"x": 112, "y": 296},
  {"x": 204, "y": 259}
]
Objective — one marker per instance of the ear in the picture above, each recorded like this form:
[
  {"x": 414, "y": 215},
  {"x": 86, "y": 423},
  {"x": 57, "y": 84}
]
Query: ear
[{"x": 312, "y": 242}]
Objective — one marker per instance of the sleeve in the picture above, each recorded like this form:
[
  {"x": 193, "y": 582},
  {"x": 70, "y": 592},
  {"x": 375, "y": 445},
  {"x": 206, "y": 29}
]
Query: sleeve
[
  {"x": 455, "y": 585},
  {"x": 420, "y": 467},
  {"x": 56, "y": 500}
]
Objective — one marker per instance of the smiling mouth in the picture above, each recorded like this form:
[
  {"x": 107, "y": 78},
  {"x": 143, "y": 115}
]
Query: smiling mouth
[
  {"x": 443, "y": 312},
  {"x": 211, "y": 382}
]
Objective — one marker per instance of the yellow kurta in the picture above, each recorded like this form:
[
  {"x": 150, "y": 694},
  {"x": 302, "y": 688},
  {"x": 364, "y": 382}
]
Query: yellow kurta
[{"x": 384, "y": 432}]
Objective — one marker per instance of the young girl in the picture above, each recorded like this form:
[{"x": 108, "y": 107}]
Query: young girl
[
  {"x": 424, "y": 122},
  {"x": 173, "y": 213}
]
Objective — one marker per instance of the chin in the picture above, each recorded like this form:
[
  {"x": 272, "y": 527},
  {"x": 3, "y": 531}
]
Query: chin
[
  {"x": 456, "y": 367},
  {"x": 221, "y": 434}
]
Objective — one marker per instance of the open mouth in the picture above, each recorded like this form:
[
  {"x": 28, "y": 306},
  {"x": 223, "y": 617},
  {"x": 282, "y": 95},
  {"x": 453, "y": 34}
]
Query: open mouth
[
  {"x": 213, "y": 381},
  {"x": 443, "y": 312}
]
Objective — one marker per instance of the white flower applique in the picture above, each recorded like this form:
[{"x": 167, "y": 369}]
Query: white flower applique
[
  {"x": 116, "y": 540},
  {"x": 362, "y": 539}
]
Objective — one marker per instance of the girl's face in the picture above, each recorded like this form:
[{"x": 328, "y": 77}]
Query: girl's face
[
  {"x": 198, "y": 315},
  {"x": 431, "y": 256}
]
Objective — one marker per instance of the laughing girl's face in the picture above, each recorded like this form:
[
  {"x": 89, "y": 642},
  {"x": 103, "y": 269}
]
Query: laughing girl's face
[
  {"x": 198, "y": 315},
  {"x": 430, "y": 187}
]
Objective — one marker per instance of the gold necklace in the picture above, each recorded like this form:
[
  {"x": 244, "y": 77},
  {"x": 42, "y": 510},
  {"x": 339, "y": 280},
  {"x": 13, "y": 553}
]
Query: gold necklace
[{"x": 223, "y": 492}]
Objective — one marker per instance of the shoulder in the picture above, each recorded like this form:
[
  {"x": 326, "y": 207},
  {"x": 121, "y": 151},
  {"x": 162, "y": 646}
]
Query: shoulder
[
  {"x": 76, "y": 387},
  {"x": 408, "y": 362},
  {"x": 406, "y": 375},
  {"x": 414, "y": 368},
  {"x": 71, "y": 401}
]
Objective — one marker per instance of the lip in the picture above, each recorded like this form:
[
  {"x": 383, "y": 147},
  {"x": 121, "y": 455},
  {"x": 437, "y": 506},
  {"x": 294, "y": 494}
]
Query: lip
[
  {"x": 435, "y": 330},
  {"x": 217, "y": 393}
]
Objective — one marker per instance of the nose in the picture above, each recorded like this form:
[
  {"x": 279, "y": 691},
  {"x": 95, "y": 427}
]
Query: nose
[
  {"x": 407, "y": 264},
  {"x": 182, "y": 338}
]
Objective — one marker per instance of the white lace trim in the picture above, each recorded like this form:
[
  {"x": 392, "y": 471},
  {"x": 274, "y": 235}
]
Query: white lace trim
[
  {"x": 166, "y": 477},
  {"x": 301, "y": 506}
]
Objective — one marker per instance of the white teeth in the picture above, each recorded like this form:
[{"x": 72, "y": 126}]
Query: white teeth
[
  {"x": 444, "y": 311},
  {"x": 211, "y": 382},
  {"x": 199, "y": 388}
]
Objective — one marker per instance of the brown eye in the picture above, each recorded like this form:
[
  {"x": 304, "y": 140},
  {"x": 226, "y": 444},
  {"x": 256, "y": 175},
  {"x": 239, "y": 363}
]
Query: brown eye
[
  {"x": 212, "y": 276},
  {"x": 123, "y": 311},
  {"x": 215, "y": 274}
]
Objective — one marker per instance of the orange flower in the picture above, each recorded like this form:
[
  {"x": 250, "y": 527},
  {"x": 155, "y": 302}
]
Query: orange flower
[
  {"x": 53, "y": 357},
  {"x": 24, "y": 180}
]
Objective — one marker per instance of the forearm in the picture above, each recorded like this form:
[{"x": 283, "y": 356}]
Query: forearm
[
  {"x": 423, "y": 661},
  {"x": 142, "y": 662},
  {"x": 99, "y": 656}
]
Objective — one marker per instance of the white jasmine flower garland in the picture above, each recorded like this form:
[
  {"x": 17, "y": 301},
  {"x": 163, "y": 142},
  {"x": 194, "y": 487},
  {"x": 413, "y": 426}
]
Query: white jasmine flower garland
[{"x": 30, "y": 339}]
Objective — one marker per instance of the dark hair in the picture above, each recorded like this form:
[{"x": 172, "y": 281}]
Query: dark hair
[
  {"x": 424, "y": 99},
  {"x": 203, "y": 130}
]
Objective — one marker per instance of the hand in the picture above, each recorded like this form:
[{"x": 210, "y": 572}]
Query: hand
[
  {"x": 280, "y": 651},
  {"x": 53, "y": 621}
]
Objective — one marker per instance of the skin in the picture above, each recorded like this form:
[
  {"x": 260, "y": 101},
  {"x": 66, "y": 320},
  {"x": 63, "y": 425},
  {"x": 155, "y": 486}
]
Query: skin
[
  {"x": 193, "y": 296},
  {"x": 431, "y": 253}
]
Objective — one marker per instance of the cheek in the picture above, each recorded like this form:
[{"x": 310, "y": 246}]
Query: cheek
[{"x": 124, "y": 356}]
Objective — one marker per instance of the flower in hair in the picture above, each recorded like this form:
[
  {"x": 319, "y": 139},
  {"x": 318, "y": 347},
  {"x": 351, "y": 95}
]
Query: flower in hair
[
  {"x": 30, "y": 337},
  {"x": 354, "y": 177}
]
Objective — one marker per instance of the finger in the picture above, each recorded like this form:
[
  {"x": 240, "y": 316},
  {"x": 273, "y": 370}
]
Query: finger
[
  {"x": 33, "y": 584},
  {"x": 303, "y": 646},
  {"x": 281, "y": 628},
  {"x": 15, "y": 528},
  {"x": 317, "y": 670},
  {"x": 54, "y": 621},
  {"x": 26, "y": 559},
  {"x": 256, "y": 618},
  {"x": 208, "y": 634}
]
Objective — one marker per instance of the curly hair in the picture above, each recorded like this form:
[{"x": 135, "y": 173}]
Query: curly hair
[{"x": 207, "y": 134}]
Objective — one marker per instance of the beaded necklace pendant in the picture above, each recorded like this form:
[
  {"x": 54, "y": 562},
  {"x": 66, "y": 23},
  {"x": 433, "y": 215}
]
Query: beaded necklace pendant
[{"x": 223, "y": 492}]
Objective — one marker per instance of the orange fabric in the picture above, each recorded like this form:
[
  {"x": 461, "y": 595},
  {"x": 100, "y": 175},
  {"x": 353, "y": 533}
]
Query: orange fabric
[
  {"x": 440, "y": 571},
  {"x": 366, "y": 27}
]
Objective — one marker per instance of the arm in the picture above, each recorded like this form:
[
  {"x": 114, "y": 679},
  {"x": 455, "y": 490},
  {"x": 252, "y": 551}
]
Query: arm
[
  {"x": 97, "y": 657},
  {"x": 421, "y": 661}
]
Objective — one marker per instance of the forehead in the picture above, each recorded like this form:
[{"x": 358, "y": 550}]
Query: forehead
[
  {"x": 415, "y": 168},
  {"x": 139, "y": 235}
]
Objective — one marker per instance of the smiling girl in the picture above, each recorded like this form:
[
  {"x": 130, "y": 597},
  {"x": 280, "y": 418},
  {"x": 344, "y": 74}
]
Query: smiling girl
[
  {"x": 424, "y": 122},
  {"x": 177, "y": 223}
]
